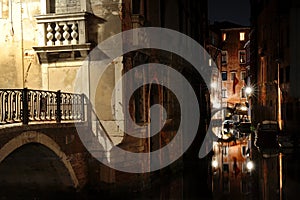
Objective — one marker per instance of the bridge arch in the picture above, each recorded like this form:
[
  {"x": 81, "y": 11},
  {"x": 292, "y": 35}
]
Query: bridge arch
[{"x": 40, "y": 138}]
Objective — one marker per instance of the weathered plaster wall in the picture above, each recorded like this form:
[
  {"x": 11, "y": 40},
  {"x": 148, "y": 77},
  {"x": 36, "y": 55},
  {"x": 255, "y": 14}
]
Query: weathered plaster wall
[
  {"x": 18, "y": 35},
  {"x": 20, "y": 67}
]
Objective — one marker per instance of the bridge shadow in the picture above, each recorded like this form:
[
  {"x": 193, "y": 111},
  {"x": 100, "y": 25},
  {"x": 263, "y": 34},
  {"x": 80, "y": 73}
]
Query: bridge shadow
[{"x": 33, "y": 171}]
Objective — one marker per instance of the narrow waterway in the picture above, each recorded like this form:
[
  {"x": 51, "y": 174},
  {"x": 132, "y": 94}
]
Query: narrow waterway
[{"x": 34, "y": 172}]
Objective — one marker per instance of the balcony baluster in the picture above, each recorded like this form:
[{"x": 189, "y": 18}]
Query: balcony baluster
[
  {"x": 66, "y": 35},
  {"x": 74, "y": 33},
  {"x": 57, "y": 35},
  {"x": 49, "y": 35}
]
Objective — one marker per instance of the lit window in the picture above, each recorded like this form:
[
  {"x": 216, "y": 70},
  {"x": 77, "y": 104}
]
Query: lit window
[
  {"x": 224, "y": 93},
  {"x": 224, "y": 76},
  {"x": 224, "y": 57},
  {"x": 242, "y": 56},
  {"x": 242, "y": 36},
  {"x": 243, "y": 75},
  {"x": 224, "y": 35}
]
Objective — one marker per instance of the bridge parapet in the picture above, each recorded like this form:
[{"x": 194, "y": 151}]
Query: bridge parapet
[{"x": 24, "y": 105}]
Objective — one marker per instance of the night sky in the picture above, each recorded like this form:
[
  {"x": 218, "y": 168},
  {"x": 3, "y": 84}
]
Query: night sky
[{"x": 236, "y": 11}]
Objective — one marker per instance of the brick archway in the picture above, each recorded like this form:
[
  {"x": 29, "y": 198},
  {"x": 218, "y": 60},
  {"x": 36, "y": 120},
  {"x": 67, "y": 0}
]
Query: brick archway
[{"x": 40, "y": 138}]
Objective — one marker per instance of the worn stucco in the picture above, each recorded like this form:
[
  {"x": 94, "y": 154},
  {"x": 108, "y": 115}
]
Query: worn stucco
[{"x": 21, "y": 67}]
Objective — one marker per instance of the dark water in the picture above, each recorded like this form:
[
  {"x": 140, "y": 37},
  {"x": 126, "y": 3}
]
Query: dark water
[{"x": 276, "y": 175}]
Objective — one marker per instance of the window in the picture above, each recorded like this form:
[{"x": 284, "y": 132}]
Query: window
[
  {"x": 225, "y": 167},
  {"x": 224, "y": 57},
  {"x": 232, "y": 76},
  {"x": 224, "y": 36},
  {"x": 210, "y": 62},
  {"x": 136, "y": 6},
  {"x": 242, "y": 56},
  {"x": 52, "y": 6},
  {"x": 224, "y": 76},
  {"x": 225, "y": 150},
  {"x": 244, "y": 151},
  {"x": 243, "y": 75},
  {"x": 242, "y": 36},
  {"x": 224, "y": 93},
  {"x": 212, "y": 38},
  {"x": 243, "y": 92}
]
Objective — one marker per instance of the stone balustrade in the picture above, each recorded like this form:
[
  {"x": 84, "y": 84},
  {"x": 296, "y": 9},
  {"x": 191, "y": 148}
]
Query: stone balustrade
[
  {"x": 64, "y": 37},
  {"x": 62, "y": 29}
]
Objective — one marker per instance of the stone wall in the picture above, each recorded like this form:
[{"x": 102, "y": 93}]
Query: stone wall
[{"x": 67, "y": 6}]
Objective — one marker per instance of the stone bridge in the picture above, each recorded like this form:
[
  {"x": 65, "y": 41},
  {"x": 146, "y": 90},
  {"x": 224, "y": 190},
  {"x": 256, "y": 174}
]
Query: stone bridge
[
  {"x": 61, "y": 138},
  {"x": 46, "y": 124}
]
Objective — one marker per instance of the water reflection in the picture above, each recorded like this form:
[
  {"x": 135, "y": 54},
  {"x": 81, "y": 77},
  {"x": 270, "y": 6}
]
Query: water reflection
[
  {"x": 277, "y": 174},
  {"x": 232, "y": 169},
  {"x": 274, "y": 175}
]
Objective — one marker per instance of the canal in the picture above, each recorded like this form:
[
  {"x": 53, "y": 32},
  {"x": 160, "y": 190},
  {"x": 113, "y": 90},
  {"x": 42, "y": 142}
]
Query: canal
[{"x": 34, "y": 172}]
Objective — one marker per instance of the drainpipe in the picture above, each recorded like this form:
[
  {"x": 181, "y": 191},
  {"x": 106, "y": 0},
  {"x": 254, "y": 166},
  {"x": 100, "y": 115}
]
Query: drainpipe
[
  {"x": 11, "y": 19},
  {"x": 22, "y": 44}
]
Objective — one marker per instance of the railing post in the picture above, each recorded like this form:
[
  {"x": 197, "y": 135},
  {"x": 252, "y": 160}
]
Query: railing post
[
  {"x": 25, "y": 113},
  {"x": 82, "y": 96},
  {"x": 58, "y": 106}
]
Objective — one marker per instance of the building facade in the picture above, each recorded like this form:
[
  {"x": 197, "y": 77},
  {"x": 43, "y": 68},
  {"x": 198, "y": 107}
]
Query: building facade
[
  {"x": 274, "y": 62},
  {"x": 187, "y": 17},
  {"x": 46, "y": 43},
  {"x": 233, "y": 67}
]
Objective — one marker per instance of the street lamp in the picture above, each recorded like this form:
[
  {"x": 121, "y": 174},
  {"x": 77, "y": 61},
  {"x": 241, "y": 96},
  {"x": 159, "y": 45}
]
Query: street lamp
[
  {"x": 250, "y": 165},
  {"x": 248, "y": 90}
]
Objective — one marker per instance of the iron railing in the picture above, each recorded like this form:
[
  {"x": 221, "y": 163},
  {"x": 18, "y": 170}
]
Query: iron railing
[{"x": 24, "y": 106}]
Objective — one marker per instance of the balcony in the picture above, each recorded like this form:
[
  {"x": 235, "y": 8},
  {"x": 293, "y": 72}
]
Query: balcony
[{"x": 64, "y": 37}]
